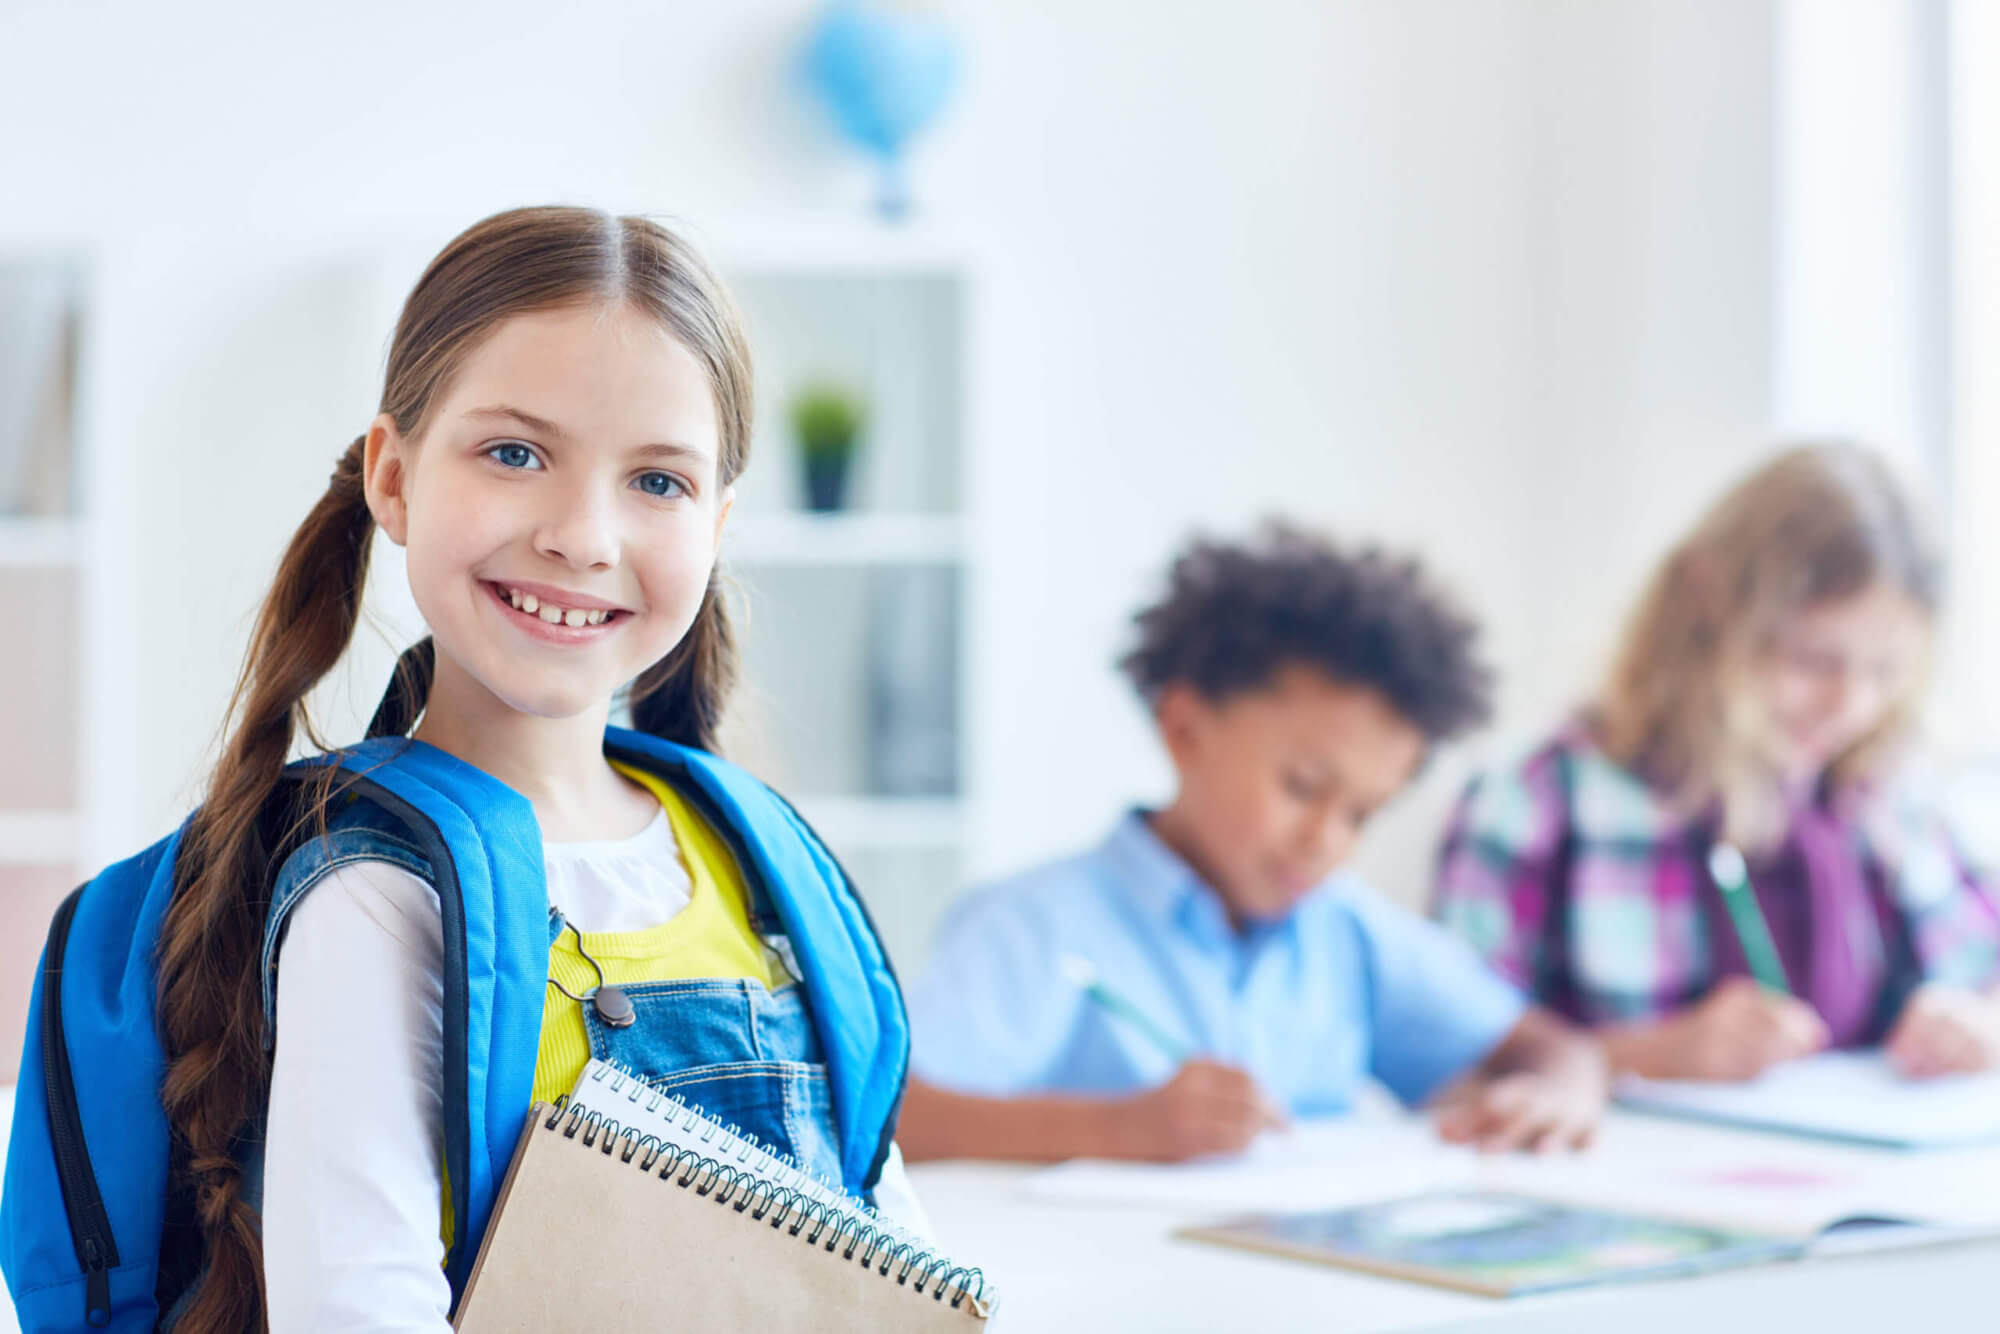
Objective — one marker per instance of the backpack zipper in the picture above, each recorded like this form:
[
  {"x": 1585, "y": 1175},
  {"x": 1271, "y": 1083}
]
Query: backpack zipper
[{"x": 89, "y": 1225}]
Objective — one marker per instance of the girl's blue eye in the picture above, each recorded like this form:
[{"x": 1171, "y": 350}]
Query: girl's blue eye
[
  {"x": 662, "y": 484},
  {"x": 513, "y": 454}
]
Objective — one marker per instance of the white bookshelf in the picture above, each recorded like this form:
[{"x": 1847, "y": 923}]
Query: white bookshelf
[
  {"x": 41, "y": 543},
  {"x": 888, "y": 823},
  {"x": 847, "y": 539},
  {"x": 40, "y": 838},
  {"x": 50, "y": 578},
  {"x": 858, "y": 623}
]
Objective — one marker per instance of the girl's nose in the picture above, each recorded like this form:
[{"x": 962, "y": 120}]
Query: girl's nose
[{"x": 581, "y": 532}]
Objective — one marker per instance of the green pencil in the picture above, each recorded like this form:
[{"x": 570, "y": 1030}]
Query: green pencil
[
  {"x": 1083, "y": 973},
  {"x": 1732, "y": 877}
]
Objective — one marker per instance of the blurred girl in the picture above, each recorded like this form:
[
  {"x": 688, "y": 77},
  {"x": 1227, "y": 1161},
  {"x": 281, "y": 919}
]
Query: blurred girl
[{"x": 1719, "y": 863}]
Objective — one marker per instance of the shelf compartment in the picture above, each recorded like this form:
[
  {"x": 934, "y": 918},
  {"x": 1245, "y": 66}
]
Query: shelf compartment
[
  {"x": 38, "y": 543},
  {"x": 851, "y": 679},
  {"x": 896, "y": 338},
  {"x": 29, "y": 896},
  {"x": 858, "y": 823},
  {"x": 844, "y": 539},
  {"x": 39, "y": 673},
  {"x": 31, "y": 837}
]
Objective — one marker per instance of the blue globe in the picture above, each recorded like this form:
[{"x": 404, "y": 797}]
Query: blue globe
[{"x": 883, "y": 76}]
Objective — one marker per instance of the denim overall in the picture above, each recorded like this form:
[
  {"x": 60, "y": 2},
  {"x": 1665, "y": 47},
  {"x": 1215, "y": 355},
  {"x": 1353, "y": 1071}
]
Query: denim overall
[{"x": 747, "y": 1056}]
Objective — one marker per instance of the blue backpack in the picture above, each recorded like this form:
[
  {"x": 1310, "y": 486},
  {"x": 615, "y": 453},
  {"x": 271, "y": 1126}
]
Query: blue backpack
[{"x": 83, "y": 1219}]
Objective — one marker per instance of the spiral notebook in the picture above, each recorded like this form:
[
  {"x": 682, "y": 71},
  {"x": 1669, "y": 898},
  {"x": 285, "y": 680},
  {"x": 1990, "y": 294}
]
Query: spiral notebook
[{"x": 629, "y": 1208}]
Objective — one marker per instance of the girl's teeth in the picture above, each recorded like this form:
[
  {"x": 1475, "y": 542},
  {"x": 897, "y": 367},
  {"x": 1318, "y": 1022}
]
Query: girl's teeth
[{"x": 573, "y": 616}]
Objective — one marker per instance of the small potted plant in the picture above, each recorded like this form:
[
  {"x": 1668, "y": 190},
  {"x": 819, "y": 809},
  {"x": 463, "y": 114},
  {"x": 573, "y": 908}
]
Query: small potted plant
[{"x": 827, "y": 419}]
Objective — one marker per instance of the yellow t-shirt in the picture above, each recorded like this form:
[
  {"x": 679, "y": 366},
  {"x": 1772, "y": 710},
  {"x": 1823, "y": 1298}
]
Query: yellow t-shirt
[{"x": 711, "y": 937}]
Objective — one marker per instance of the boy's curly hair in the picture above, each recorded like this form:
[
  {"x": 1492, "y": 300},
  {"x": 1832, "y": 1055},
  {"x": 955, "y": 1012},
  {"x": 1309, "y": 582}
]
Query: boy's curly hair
[{"x": 1236, "y": 614}]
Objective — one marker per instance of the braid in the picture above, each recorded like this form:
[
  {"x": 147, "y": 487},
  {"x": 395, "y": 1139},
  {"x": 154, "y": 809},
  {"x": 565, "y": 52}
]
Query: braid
[{"x": 210, "y": 992}]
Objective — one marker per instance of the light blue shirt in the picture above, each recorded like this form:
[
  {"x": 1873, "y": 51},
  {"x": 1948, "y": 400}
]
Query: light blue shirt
[{"x": 1344, "y": 987}]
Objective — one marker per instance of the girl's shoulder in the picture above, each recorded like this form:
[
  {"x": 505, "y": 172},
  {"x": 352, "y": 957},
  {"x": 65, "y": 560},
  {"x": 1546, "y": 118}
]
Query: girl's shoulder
[
  {"x": 355, "y": 830},
  {"x": 1573, "y": 769},
  {"x": 1928, "y": 826},
  {"x": 1565, "y": 782}
]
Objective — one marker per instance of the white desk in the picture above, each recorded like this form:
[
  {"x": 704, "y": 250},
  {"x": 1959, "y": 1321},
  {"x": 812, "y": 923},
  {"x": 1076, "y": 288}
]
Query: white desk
[{"x": 1105, "y": 1267}]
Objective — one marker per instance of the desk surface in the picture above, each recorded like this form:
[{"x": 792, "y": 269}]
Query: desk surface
[
  {"x": 1104, "y": 1267},
  {"x": 1101, "y": 1269}
]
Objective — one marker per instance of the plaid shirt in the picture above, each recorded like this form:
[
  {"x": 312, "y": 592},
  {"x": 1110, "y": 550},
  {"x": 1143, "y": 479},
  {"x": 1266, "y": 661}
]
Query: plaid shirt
[{"x": 1569, "y": 834}]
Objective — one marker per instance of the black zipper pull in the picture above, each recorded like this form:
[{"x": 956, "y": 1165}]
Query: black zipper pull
[{"x": 97, "y": 1287}]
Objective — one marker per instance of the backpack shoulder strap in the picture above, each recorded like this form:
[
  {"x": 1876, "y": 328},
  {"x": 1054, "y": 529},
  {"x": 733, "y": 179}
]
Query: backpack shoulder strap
[{"x": 846, "y": 969}]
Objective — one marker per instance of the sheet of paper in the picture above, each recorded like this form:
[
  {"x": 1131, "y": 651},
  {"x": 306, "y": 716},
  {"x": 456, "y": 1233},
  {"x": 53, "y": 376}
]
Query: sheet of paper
[
  {"x": 1769, "y": 1183},
  {"x": 1313, "y": 1165},
  {"x": 1841, "y": 1095}
]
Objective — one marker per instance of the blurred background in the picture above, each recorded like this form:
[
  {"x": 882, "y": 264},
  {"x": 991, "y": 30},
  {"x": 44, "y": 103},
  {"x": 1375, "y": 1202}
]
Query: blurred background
[{"x": 1038, "y": 290}]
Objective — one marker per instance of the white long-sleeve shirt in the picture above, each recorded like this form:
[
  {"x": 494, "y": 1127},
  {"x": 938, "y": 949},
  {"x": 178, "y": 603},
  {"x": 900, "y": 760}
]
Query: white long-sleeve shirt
[{"x": 355, "y": 1140}]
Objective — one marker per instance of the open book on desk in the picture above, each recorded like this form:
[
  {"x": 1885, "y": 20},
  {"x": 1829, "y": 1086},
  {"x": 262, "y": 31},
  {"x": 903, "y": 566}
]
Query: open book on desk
[
  {"x": 1807, "y": 1195},
  {"x": 1655, "y": 1198},
  {"x": 1495, "y": 1244},
  {"x": 1854, "y": 1096}
]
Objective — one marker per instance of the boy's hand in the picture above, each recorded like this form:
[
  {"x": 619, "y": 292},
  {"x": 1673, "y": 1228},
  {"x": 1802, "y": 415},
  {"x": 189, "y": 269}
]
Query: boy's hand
[
  {"x": 1946, "y": 1030},
  {"x": 1542, "y": 1089},
  {"x": 1736, "y": 1032},
  {"x": 1207, "y": 1107},
  {"x": 1527, "y": 1110}
]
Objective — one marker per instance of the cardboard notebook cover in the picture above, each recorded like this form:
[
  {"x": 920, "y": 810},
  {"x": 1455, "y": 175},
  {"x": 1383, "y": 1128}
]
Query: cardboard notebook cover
[{"x": 593, "y": 1232}]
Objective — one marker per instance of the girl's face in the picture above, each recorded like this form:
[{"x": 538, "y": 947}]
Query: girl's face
[
  {"x": 562, "y": 514},
  {"x": 1833, "y": 674}
]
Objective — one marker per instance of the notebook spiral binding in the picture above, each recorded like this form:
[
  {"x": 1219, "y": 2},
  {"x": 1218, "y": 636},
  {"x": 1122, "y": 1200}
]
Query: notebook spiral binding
[{"x": 819, "y": 1206}]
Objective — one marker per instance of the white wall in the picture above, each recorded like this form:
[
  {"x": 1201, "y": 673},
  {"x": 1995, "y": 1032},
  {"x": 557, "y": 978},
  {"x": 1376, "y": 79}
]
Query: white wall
[
  {"x": 1974, "y": 247},
  {"x": 1488, "y": 279}
]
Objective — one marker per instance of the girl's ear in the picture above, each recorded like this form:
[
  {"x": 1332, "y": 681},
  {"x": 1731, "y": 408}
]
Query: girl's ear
[
  {"x": 722, "y": 510},
  {"x": 385, "y": 478}
]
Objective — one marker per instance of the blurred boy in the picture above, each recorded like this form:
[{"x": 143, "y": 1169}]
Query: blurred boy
[{"x": 1206, "y": 972}]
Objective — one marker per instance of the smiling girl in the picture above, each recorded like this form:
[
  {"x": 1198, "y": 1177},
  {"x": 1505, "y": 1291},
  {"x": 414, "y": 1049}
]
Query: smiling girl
[
  {"x": 1748, "y": 743},
  {"x": 353, "y": 1033}
]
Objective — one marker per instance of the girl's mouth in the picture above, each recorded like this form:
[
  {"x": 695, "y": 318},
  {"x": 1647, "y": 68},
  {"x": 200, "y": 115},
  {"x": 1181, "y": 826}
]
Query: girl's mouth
[{"x": 551, "y": 622}]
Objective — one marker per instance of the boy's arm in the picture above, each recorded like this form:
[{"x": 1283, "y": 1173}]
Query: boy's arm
[
  {"x": 938, "y": 1123},
  {"x": 1205, "y": 1108},
  {"x": 1542, "y": 1044}
]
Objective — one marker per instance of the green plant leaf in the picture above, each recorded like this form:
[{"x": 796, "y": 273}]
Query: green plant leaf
[{"x": 827, "y": 419}]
